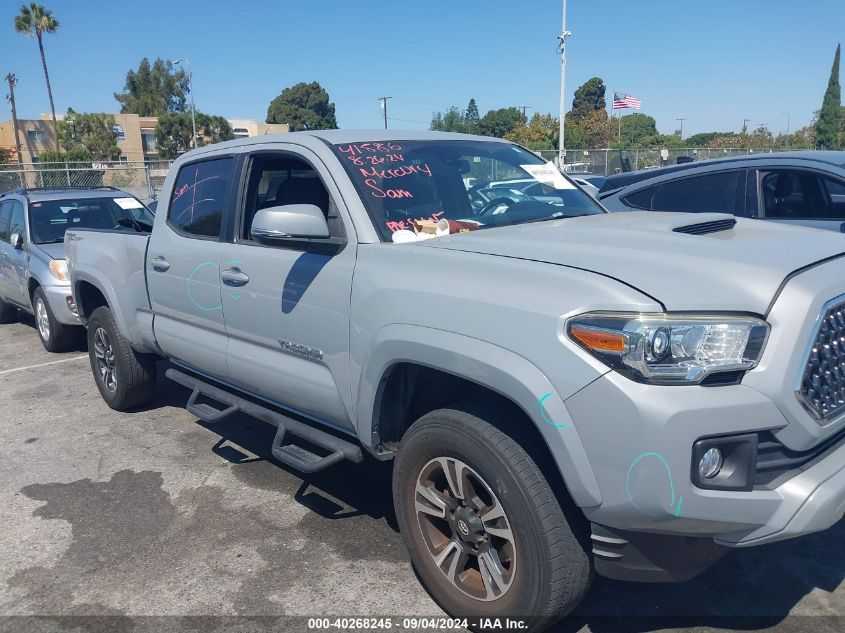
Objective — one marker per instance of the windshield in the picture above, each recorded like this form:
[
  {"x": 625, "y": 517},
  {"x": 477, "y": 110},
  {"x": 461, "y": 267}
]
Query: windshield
[
  {"x": 413, "y": 186},
  {"x": 49, "y": 219}
]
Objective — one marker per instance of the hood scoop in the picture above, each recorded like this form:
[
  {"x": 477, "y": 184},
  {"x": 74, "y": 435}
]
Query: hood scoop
[{"x": 704, "y": 228}]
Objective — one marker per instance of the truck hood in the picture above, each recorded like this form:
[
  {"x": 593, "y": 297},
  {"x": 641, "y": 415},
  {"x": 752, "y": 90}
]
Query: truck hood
[
  {"x": 53, "y": 251},
  {"x": 738, "y": 268}
]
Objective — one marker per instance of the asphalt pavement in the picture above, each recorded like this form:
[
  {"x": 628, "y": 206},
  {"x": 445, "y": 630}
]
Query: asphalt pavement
[{"x": 115, "y": 520}]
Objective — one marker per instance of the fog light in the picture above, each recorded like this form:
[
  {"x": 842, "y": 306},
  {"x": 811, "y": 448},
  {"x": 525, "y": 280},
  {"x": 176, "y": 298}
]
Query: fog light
[{"x": 710, "y": 464}]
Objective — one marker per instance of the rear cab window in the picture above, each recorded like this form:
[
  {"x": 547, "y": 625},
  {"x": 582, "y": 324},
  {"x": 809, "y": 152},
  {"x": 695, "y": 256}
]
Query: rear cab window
[{"x": 199, "y": 197}]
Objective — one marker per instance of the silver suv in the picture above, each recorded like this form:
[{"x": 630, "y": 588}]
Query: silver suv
[{"x": 33, "y": 271}]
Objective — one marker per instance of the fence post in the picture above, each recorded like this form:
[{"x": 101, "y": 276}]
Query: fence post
[
  {"x": 67, "y": 171},
  {"x": 606, "y": 167},
  {"x": 149, "y": 180}
]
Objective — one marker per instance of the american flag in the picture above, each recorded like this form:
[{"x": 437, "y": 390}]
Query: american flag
[{"x": 625, "y": 102}]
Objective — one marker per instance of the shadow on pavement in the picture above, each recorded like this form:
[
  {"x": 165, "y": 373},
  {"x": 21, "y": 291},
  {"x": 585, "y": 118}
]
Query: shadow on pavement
[{"x": 749, "y": 589}]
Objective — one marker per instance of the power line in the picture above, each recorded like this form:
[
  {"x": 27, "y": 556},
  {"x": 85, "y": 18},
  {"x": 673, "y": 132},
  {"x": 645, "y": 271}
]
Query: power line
[{"x": 393, "y": 118}]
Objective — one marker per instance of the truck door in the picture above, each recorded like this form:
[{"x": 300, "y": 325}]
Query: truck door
[
  {"x": 183, "y": 265},
  {"x": 286, "y": 307}
]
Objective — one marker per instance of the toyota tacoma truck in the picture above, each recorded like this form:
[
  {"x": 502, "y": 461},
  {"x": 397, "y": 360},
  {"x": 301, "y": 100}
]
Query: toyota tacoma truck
[{"x": 562, "y": 391}]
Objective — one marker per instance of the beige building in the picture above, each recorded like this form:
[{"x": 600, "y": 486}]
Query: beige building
[{"x": 135, "y": 135}]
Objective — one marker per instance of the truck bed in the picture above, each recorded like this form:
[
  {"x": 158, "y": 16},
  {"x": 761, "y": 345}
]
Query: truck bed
[{"x": 113, "y": 262}]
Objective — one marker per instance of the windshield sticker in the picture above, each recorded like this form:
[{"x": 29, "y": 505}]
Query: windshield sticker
[
  {"x": 128, "y": 203},
  {"x": 549, "y": 175}
]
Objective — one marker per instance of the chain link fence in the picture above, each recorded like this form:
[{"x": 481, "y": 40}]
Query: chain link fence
[
  {"x": 142, "y": 179},
  {"x": 606, "y": 162}
]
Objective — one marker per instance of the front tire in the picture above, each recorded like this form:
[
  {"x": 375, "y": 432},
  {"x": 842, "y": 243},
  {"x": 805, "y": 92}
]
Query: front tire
[
  {"x": 485, "y": 532},
  {"x": 125, "y": 378},
  {"x": 55, "y": 336}
]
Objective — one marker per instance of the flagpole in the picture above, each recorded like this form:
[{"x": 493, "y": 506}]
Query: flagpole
[{"x": 562, "y": 49}]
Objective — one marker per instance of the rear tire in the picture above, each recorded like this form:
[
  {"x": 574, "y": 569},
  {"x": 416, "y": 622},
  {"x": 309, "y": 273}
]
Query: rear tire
[
  {"x": 55, "y": 336},
  {"x": 541, "y": 568},
  {"x": 8, "y": 313},
  {"x": 125, "y": 378}
]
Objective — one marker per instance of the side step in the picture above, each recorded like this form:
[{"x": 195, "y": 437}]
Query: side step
[{"x": 293, "y": 455}]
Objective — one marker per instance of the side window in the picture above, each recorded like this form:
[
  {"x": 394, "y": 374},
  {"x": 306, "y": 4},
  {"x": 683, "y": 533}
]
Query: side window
[
  {"x": 199, "y": 197},
  {"x": 16, "y": 224},
  {"x": 795, "y": 195},
  {"x": 711, "y": 193},
  {"x": 5, "y": 215},
  {"x": 640, "y": 199},
  {"x": 836, "y": 195},
  {"x": 280, "y": 180}
]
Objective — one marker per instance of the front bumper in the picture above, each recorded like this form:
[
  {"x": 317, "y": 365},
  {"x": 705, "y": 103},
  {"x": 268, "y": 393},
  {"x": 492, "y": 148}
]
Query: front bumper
[{"x": 57, "y": 297}]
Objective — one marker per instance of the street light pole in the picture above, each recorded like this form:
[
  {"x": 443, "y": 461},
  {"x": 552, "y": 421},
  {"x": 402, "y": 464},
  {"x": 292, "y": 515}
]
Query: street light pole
[
  {"x": 562, "y": 50},
  {"x": 191, "y": 90},
  {"x": 787, "y": 128}
]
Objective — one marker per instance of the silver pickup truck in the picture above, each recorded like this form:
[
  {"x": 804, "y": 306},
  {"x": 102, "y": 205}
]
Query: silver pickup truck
[{"x": 563, "y": 391}]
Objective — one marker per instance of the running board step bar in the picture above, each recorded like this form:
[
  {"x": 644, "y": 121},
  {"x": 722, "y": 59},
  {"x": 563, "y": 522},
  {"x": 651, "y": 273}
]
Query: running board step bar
[{"x": 291, "y": 454}]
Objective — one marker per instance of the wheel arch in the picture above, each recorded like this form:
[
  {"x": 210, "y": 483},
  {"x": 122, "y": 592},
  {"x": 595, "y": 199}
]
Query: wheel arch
[{"x": 449, "y": 366}]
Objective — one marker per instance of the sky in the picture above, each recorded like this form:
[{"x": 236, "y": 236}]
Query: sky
[{"x": 714, "y": 63}]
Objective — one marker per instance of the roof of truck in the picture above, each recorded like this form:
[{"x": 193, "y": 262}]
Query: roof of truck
[{"x": 340, "y": 136}]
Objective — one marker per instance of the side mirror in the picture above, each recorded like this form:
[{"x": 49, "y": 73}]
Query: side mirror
[
  {"x": 276, "y": 225},
  {"x": 16, "y": 241}
]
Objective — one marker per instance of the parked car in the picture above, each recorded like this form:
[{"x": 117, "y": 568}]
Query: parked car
[
  {"x": 804, "y": 188},
  {"x": 562, "y": 390},
  {"x": 33, "y": 270}
]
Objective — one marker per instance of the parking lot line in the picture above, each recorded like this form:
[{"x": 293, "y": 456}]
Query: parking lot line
[{"x": 52, "y": 362}]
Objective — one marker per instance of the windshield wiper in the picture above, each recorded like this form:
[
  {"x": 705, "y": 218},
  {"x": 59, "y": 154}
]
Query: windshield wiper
[{"x": 58, "y": 240}]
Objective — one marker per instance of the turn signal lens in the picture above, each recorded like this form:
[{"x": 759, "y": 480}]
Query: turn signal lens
[
  {"x": 59, "y": 269},
  {"x": 598, "y": 340}
]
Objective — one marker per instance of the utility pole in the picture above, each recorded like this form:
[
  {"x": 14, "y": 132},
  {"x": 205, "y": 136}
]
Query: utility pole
[
  {"x": 745, "y": 126},
  {"x": 524, "y": 108},
  {"x": 13, "y": 81},
  {"x": 682, "y": 119},
  {"x": 561, "y": 47},
  {"x": 191, "y": 90},
  {"x": 384, "y": 107}
]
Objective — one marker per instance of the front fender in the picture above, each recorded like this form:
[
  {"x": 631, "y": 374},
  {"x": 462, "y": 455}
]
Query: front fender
[{"x": 493, "y": 367}]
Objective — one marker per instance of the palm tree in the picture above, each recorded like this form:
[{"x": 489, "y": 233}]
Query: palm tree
[{"x": 36, "y": 20}]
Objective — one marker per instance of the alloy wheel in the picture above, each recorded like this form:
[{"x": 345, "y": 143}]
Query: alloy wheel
[
  {"x": 465, "y": 529},
  {"x": 42, "y": 319},
  {"x": 104, "y": 354}
]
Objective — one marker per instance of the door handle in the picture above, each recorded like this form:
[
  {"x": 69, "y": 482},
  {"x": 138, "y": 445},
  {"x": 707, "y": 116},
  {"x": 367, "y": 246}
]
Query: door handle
[
  {"x": 234, "y": 277},
  {"x": 160, "y": 264}
]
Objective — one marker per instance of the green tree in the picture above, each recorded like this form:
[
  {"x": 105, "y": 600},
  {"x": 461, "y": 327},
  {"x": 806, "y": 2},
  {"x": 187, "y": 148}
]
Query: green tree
[
  {"x": 34, "y": 20},
  {"x": 453, "y": 120},
  {"x": 540, "y": 133},
  {"x": 636, "y": 127},
  {"x": 828, "y": 126},
  {"x": 154, "y": 89},
  {"x": 499, "y": 122},
  {"x": 589, "y": 97},
  {"x": 472, "y": 117},
  {"x": 702, "y": 139},
  {"x": 303, "y": 107},
  {"x": 174, "y": 132},
  {"x": 90, "y": 132}
]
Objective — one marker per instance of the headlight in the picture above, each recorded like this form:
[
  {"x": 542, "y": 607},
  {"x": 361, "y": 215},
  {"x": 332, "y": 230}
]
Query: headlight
[
  {"x": 59, "y": 269},
  {"x": 670, "y": 349}
]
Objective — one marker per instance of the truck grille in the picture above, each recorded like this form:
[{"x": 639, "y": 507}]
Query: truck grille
[{"x": 822, "y": 388}]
